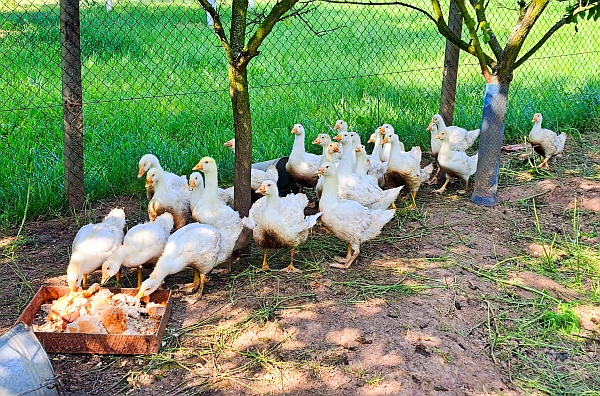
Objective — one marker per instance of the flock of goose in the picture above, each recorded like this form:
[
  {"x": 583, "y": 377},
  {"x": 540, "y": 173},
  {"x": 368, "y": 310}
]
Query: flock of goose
[{"x": 349, "y": 187}]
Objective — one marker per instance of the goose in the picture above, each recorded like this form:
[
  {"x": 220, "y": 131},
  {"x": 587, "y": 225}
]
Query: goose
[
  {"x": 166, "y": 199},
  {"x": 544, "y": 141},
  {"x": 213, "y": 211},
  {"x": 352, "y": 187},
  {"x": 346, "y": 219},
  {"x": 387, "y": 147},
  {"x": 459, "y": 138},
  {"x": 92, "y": 245},
  {"x": 360, "y": 168},
  {"x": 302, "y": 166},
  {"x": 454, "y": 163},
  {"x": 404, "y": 168},
  {"x": 279, "y": 223},
  {"x": 197, "y": 189},
  {"x": 436, "y": 144},
  {"x": 324, "y": 140},
  {"x": 331, "y": 151},
  {"x": 149, "y": 161},
  {"x": 194, "y": 245},
  {"x": 257, "y": 176},
  {"x": 143, "y": 243}
]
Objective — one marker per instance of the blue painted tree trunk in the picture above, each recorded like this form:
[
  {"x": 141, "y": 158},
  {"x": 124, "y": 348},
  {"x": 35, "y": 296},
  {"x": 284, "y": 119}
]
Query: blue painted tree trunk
[{"x": 485, "y": 190}]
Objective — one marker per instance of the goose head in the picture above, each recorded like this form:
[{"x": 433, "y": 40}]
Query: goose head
[
  {"x": 343, "y": 138},
  {"x": 147, "y": 287},
  {"x": 385, "y": 128},
  {"x": 341, "y": 126},
  {"x": 146, "y": 162},
  {"x": 372, "y": 137},
  {"x": 230, "y": 144},
  {"x": 206, "y": 164},
  {"x": 109, "y": 269},
  {"x": 442, "y": 135},
  {"x": 322, "y": 139},
  {"x": 327, "y": 169},
  {"x": 432, "y": 127},
  {"x": 355, "y": 137},
  {"x": 268, "y": 188},
  {"x": 438, "y": 120},
  {"x": 537, "y": 117},
  {"x": 298, "y": 130},
  {"x": 390, "y": 137},
  {"x": 196, "y": 180},
  {"x": 332, "y": 148},
  {"x": 153, "y": 176}
]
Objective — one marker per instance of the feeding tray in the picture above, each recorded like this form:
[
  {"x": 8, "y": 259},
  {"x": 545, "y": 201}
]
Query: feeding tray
[{"x": 121, "y": 344}]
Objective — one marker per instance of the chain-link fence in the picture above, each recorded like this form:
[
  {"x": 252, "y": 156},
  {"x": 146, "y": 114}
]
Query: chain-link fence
[{"x": 154, "y": 79}]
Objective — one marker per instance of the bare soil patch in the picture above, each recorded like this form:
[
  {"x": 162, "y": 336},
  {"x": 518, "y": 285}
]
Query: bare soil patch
[{"x": 430, "y": 307}]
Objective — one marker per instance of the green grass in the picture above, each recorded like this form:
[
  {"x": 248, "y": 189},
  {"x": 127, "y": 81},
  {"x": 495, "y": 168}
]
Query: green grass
[{"x": 155, "y": 80}]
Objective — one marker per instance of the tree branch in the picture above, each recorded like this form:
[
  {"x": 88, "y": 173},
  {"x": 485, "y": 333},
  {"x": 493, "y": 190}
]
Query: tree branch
[
  {"x": 481, "y": 57},
  {"x": 376, "y": 3},
  {"x": 517, "y": 37},
  {"x": 278, "y": 10},
  {"x": 218, "y": 27},
  {"x": 568, "y": 18},
  {"x": 485, "y": 28}
]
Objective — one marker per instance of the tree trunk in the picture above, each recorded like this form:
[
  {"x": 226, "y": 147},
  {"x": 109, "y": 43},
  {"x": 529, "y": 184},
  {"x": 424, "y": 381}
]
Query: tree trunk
[
  {"x": 240, "y": 100},
  {"x": 448, "y": 97},
  {"x": 72, "y": 102},
  {"x": 485, "y": 190}
]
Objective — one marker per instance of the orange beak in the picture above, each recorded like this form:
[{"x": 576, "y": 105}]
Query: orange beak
[
  {"x": 140, "y": 294},
  {"x": 382, "y": 130},
  {"x": 430, "y": 127},
  {"x": 228, "y": 144},
  {"x": 261, "y": 190},
  {"x": 317, "y": 141},
  {"x": 192, "y": 184},
  {"x": 336, "y": 149},
  {"x": 338, "y": 137},
  {"x": 385, "y": 140},
  {"x": 336, "y": 127},
  {"x": 535, "y": 118},
  {"x": 295, "y": 130},
  {"x": 320, "y": 171},
  {"x": 371, "y": 140},
  {"x": 357, "y": 149},
  {"x": 433, "y": 119},
  {"x": 142, "y": 171},
  {"x": 438, "y": 136},
  {"x": 198, "y": 166}
]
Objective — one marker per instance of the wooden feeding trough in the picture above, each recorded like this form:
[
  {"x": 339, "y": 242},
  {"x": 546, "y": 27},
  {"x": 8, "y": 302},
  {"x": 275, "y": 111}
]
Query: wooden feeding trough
[{"x": 96, "y": 343}]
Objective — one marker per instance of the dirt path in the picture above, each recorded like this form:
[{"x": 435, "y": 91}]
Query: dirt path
[{"x": 431, "y": 307}]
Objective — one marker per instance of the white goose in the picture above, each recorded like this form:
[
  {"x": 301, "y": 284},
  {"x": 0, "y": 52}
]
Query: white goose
[
  {"x": 195, "y": 245},
  {"x": 213, "y": 211},
  {"x": 92, "y": 245},
  {"x": 302, "y": 166},
  {"x": 149, "y": 161},
  {"x": 279, "y": 223},
  {"x": 387, "y": 147},
  {"x": 459, "y": 138},
  {"x": 346, "y": 219},
  {"x": 404, "y": 168},
  {"x": 544, "y": 141},
  {"x": 197, "y": 190},
  {"x": 352, "y": 187},
  {"x": 360, "y": 168},
  {"x": 324, "y": 140},
  {"x": 454, "y": 163},
  {"x": 143, "y": 243},
  {"x": 166, "y": 199},
  {"x": 257, "y": 176}
]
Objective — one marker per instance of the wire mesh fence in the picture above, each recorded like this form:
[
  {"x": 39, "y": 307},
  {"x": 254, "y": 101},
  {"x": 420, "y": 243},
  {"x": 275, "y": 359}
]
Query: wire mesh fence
[{"x": 154, "y": 79}]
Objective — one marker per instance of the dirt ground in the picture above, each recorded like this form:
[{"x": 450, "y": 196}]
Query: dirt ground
[{"x": 428, "y": 308}]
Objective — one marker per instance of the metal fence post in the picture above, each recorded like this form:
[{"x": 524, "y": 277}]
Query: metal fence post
[
  {"x": 451, "y": 56},
  {"x": 72, "y": 102}
]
